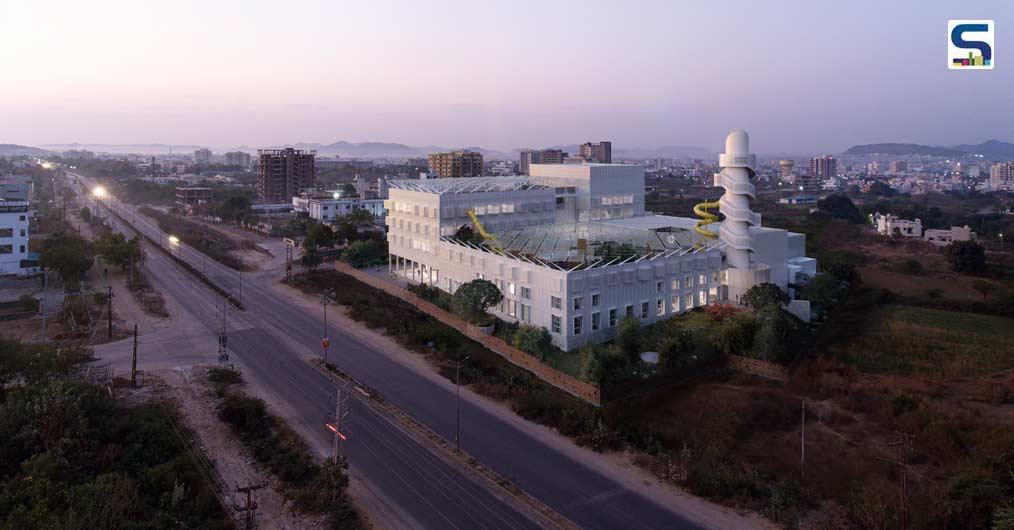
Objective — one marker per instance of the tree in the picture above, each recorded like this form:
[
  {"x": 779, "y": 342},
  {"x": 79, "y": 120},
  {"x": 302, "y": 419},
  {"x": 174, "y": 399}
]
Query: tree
[
  {"x": 359, "y": 216},
  {"x": 966, "y": 256},
  {"x": 235, "y": 208},
  {"x": 319, "y": 235},
  {"x": 310, "y": 258},
  {"x": 86, "y": 215},
  {"x": 473, "y": 298},
  {"x": 775, "y": 329},
  {"x": 882, "y": 189},
  {"x": 365, "y": 253},
  {"x": 764, "y": 294},
  {"x": 115, "y": 249},
  {"x": 839, "y": 206},
  {"x": 628, "y": 338},
  {"x": 822, "y": 291},
  {"x": 348, "y": 190},
  {"x": 534, "y": 340},
  {"x": 984, "y": 288},
  {"x": 67, "y": 254}
]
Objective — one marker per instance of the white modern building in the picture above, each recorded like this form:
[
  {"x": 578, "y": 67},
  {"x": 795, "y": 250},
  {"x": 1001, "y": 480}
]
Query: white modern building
[
  {"x": 942, "y": 238},
  {"x": 573, "y": 250},
  {"x": 14, "y": 219},
  {"x": 890, "y": 225},
  {"x": 327, "y": 209}
]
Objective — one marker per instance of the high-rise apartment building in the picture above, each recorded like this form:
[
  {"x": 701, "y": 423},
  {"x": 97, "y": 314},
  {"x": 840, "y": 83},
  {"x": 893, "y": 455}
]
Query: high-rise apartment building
[
  {"x": 1001, "y": 175},
  {"x": 539, "y": 156},
  {"x": 202, "y": 156},
  {"x": 786, "y": 169},
  {"x": 456, "y": 164},
  {"x": 282, "y": 173},
  {"x": 898, "y": 166},
  {"x": 238, "y": 158},
  {"x": 599, "y": 152},
  {"x": 823, "y": 167}
]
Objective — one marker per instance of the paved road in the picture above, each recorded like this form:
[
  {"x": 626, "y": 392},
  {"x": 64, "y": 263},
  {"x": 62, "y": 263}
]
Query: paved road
[{"x": 280, "y": 333}]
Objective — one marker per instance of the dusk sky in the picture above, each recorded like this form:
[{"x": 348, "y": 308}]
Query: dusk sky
[{"x": 801, "y": 76}]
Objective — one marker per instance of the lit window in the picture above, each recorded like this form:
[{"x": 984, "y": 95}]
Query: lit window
[
  {"x": 688, "y": 301},
  {"x": 676, "y": 284},
  {"x": 674, "y": 304},
  {"x": 511, "y": 288}
]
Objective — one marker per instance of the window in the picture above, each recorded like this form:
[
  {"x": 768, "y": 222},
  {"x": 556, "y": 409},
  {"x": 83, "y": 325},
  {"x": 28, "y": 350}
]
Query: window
[
  {"x": 660, "y": 307},
  {"x": 526, "y": 313},
  {"x": 6, "y": 249},
  {"x": 577, "y": 325},
  {"x": 511, "y": 288},
  {"x": 577, "y": 304},
  {"x": 688, "y": 282},
  {"x": 526, "y": 293},
  {"x": 22, "y": 232},
  {"x": 674, "y": 304},
  {"x": 644, "y": 309},
  {"x": 595, "y": 321},
  {"x": 703, "y": 297},
  {"x": 702, "y": 279},
  {"x": 658, "y": 287},
  {"x": 714, "y": 277},
  {"x": 595, "y": 300},
  {"x": 7, "y": 232},
  {"x": 676, "y": 284},
  {"x": 554, "y": 302},
  {"x": 555, "y": 323},
  {"x": 630, "y": 311},
  {"x": 22, "y": 249},
  {"x": 512, "y": 308},
  {"x": 612, "y": 317}
]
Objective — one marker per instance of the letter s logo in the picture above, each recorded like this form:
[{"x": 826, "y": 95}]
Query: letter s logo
[{"x": 961, "y": 52}]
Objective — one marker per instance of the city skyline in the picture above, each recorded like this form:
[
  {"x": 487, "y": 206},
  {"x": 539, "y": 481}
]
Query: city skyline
[{"x": 224, "y": 76}]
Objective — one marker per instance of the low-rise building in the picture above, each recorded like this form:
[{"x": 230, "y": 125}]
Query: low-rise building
[
  {"x": 327, "y": 209},
  {"x": 890, "y": 225},
  {"x": 15, "y": 216},
  {"x": 15, "y": 187},
  {"x": 942, "y": 238}
]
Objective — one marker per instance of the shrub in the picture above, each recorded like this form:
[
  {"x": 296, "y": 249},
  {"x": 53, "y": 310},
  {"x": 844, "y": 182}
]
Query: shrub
[
  {"x": 966, "y": 256},
  {"x": 473, "y": 298},
  {"x": 533, "y": 340}
]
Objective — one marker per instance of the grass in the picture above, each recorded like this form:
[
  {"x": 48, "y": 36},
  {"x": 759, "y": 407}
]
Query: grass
[{"x": 915, "y": 340}]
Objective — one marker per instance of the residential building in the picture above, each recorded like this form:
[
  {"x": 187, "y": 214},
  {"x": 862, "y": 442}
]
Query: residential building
[
  {"x": 942, "y": 238},
  {"x": 891, "y": 225},
  {"x": 202, "y": 156},
  {"x": 15, "y": 187},
  {"x": 1001, "y": 176},
  {"x": 14, "y": 223},
  {"x": 282, "y": 173},
  {"x": 808, "y": 185},
  {"x": 502, "y": 168},
  {"x": 187, "y": 198},
  {"x": 898, "y": 166},
  {"x": 328, "y": 208},
  {"x": 238, "y": 158},
  {"x": 573, "y": 250},
  {"x": 785, "y": 168},
  {"x": 823, "y": 167},
  {"x": 539, "y": 156},
  {"x": 456, "y": 164},
  {"x": 598, "y": 152}
]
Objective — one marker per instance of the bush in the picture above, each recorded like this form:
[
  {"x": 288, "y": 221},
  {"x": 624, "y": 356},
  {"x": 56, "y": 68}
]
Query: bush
[
  {"x": 533, "y": 340},
  {"x": 473, "y": 298},
  {"x": 966, "y": 256},
  {"x": 366, "y": 253}
]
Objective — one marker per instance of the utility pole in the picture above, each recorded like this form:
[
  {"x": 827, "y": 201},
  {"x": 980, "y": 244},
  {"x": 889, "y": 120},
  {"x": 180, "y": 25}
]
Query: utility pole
[
  {"x": 457, "y": 404},
  {"x": 133, "y": 361},
  {"x": 109, "y": 308},
  {"x": 223, "y": 337},
  {"x": 904, "y": 445},
  {"x": 802, "y": 444},
  {"x": 340, "y": 412},
  {"x": 325, "y": 341},
  {"x": 250, "y": 509}
]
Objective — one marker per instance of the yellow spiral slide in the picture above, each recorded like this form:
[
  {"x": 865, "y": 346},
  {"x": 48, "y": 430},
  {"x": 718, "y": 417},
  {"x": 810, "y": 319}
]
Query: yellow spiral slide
[{"x": 706, "y": 219}]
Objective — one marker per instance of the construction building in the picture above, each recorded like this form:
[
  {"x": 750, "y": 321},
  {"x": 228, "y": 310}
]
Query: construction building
[
  {"x": 282, "y": 173},
  {"x": 456, "y": 164},
  {"x": 539, "y": 156},
  {"x": 573, "y": 250},
  {"x": 598, "y": 152},
  {"x": 187, "y": 198}
]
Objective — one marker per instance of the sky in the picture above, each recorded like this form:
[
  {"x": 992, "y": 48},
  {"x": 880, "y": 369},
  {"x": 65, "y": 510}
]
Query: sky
[{"x": 799, "y": 76}]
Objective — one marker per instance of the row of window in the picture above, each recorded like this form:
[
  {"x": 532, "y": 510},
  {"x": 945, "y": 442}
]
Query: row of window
[
  {"x": 9, "y": 232},
  {"x": 689, "y": 301}
]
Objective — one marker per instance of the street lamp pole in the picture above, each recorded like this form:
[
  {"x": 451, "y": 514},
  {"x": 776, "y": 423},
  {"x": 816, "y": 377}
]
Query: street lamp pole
[{"x": 457, "y": 404}]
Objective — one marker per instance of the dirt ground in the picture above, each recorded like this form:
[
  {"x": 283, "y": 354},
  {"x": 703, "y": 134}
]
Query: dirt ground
[{"x": 233, "y": 461}]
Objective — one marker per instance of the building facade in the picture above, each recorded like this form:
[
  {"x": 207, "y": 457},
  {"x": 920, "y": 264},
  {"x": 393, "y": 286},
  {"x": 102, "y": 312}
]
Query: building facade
[
  {"x": 327, "y": 209},
  {"x": 187, "y": 198},
  {"x": 823, "y": 167},
  {"x": 456, "y": 164},
  {"x": 898, "y": 166},
  {"x": 890, "y": 225},
  {"x": 282, "y": 173},
  {"x": 238, "y": 158},
  {"x": 539, "y": 156},
  {"x": 573, "y": 250},
  {"x": 14, "y": 223},
  {"x": 202, "y": 156},
  {"x": 598, "y": 152}
]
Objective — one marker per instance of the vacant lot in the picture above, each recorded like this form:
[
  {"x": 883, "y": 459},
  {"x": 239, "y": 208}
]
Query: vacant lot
[{"x": 916, "y": 340}]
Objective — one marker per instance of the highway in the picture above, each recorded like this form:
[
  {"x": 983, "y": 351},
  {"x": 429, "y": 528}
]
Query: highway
[{"x": 273, "y": 338}]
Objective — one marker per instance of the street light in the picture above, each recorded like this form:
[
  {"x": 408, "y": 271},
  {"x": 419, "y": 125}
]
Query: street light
[{"x": 457, "y": 404}]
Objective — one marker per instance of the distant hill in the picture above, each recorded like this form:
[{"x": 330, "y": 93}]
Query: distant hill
[
  {"x": 990, "y": 149},
  {"x": 903, "y": 150},
  {"x": 22, "y": 150},
  {"x": 122, "y": 149}
]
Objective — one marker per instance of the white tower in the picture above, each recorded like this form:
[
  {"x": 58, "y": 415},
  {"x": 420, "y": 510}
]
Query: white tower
[{"x": 737, "y": 178}]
